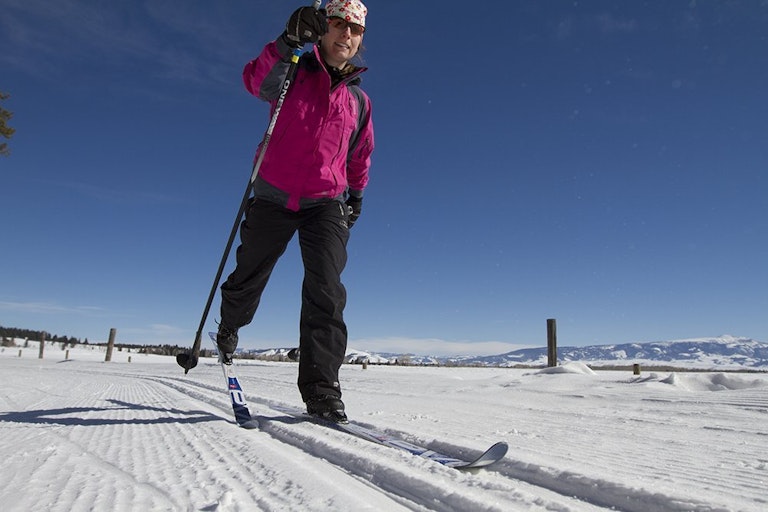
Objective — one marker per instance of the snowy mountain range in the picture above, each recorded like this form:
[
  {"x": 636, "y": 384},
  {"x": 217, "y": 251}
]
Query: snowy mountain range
[
  {"x": 702, "y": 353},
  {"x": 724, "y": 352}
]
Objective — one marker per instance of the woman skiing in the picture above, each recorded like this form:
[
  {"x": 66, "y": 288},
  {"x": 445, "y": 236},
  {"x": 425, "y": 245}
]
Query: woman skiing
[{"x": 311, "y": 181}]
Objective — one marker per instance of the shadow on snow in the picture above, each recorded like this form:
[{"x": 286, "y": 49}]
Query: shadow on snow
[{"x": 72, "y": 416}]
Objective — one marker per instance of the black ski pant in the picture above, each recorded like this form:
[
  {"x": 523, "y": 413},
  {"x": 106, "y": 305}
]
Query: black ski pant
[{"x": 323, "y": 235}]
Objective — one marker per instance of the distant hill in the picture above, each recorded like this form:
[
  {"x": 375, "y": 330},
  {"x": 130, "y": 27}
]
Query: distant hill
[
  {"x": 701, "y": 353},
  {"x": 724, "y": 352}
]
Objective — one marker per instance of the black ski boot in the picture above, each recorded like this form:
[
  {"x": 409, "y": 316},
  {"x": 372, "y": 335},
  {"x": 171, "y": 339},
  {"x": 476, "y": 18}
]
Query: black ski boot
[
  {"x": 327, "y": 407},
  {"x": 226, "y": 340}
]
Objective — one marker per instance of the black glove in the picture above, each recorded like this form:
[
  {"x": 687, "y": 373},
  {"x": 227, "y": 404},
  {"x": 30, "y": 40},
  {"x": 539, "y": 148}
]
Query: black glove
[
  {"x": 355, "y": 206},
  {"x": 306, "y": 25}
]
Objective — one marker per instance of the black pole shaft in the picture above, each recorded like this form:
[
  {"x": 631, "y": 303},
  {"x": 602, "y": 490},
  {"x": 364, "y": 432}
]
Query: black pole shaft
[{"x": 190, "y": 361}]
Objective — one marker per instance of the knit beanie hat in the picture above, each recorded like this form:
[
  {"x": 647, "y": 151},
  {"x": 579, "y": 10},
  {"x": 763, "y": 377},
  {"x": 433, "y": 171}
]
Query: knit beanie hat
[{"x": 353, "y": 11}]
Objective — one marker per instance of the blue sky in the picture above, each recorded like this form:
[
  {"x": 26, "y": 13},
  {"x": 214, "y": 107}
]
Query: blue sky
[{"x": 603, "y": 163}]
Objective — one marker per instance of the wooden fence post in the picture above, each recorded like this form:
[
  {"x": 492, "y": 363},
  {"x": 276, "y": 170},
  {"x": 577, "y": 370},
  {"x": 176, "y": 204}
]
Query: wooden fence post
[
  {"x": 110, "y": 344},
  {"x": 42, "y": 345},
  {"x": 551, "y": 342}
]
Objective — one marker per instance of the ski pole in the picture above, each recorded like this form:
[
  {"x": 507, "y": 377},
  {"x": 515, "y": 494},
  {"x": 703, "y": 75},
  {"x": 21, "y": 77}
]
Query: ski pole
[{"x": 188, "y": 360}]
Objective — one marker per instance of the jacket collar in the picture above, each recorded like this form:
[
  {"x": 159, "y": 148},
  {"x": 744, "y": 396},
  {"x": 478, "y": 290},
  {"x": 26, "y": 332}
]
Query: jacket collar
[{"x": 350, "y": 74}]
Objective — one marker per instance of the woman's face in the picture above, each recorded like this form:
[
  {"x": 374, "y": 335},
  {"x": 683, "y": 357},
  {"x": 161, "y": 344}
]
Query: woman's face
[{"x": 341, "y": 43}]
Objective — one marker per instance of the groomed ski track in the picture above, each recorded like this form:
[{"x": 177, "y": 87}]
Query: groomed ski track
[{"x": 144, "y": 436}]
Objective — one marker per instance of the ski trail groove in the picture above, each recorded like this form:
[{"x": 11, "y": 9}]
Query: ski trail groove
[
  {"x": 127, "y": 437},
  {"x": 406, "y": 479}
]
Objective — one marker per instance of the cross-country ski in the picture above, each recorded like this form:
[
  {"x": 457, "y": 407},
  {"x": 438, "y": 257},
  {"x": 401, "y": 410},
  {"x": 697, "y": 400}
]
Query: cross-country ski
[{"x": 244, "y": 419}]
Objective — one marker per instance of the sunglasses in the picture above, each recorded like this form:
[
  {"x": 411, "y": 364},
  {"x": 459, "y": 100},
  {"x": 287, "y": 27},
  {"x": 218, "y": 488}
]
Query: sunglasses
[{"x": 342, "y": 24}]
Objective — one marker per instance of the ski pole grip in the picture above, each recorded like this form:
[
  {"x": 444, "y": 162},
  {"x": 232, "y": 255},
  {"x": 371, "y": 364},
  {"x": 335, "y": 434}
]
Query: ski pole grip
[{"x": 297, "y": 52}]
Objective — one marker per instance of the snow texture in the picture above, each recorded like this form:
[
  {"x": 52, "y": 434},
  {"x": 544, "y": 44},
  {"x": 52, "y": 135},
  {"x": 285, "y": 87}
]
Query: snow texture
[{"x": 83, "y": 434}]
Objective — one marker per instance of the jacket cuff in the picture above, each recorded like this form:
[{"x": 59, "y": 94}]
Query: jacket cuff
[{"x": 285, "y": 47}]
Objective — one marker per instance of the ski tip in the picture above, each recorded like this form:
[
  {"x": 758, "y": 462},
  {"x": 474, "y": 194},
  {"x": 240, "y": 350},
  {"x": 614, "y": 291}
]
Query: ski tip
[
  {"x": 499, "y": 449},
  {"x": 491, "y": 456}
]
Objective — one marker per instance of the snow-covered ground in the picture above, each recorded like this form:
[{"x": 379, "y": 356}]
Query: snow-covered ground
[{"x": 83, "y": 434}]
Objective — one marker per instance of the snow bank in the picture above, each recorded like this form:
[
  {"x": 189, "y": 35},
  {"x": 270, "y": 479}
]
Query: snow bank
[
  {"x": 712, "y": 382},
  {"x": 578, "y": 368}
]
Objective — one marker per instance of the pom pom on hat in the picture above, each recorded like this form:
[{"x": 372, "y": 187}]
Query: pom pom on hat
[{"x": 353, "y": 11}]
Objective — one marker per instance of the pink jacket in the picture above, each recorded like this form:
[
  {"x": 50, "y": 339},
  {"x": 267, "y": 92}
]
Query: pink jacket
[{"x": 309, "y": 158}]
